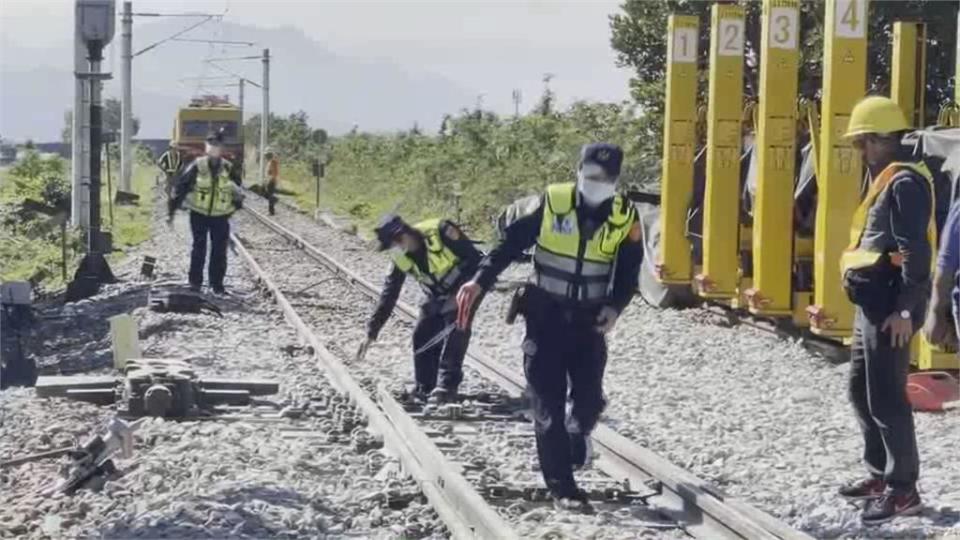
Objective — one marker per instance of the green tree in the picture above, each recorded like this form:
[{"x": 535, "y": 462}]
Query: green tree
[{"x": 639, "y": 38}]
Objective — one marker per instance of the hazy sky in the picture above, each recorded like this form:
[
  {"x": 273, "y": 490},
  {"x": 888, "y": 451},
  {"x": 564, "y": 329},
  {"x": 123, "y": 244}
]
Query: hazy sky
[{"x": 489, "y": 47}]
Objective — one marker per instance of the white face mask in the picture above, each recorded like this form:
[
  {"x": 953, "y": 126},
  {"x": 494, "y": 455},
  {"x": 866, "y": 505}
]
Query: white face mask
[
  {"x": 593, "y": 190},
  {"x": 213, "y": 151}
]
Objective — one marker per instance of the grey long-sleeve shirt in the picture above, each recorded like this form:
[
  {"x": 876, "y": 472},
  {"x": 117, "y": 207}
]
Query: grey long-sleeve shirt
[
  {"x": 898, "y": 222},
  {"x": 453, "y": 238},
  {"x": 523, "y": 233}
]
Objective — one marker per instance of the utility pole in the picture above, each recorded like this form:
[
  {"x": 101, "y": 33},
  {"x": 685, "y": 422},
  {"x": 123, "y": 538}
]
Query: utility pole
[
  {"x": 265, "y": 115},
  {"x": 126, "y": 117},
  {"x": 78, "y": 133},
  {"x": 516, "y": 102},
  {"x": 240, "y": 100}
]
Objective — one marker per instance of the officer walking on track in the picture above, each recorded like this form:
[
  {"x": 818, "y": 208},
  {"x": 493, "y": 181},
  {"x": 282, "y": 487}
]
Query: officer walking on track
[
  {"x": 440, "y": 257},
  {"x": 211, "y": 187},
  {"x": 886, "y": 274},
  {"x": 169, "y": 164},
  {"x": 586, "y": 262}
]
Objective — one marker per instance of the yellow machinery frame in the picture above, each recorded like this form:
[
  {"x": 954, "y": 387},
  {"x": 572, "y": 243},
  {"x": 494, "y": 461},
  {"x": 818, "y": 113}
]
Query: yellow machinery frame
[
  {"x": 771, "y": 293},
  {"x": 679, "y": 145},
  {"x": 841, "y": 172},
  {"x": 721, "y": 223},
  {"x": 908, "y": 74}
]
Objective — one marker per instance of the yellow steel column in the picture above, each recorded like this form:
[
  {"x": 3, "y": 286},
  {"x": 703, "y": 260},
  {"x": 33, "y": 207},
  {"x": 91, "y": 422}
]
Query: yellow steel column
[
  {"x": 909, "y": 73},
  {"x": 679, "y": 144},
  {"x": 841, "y": 173},
  {"x": 721, "y": 220},
  {"x": 771, "y": 293}
]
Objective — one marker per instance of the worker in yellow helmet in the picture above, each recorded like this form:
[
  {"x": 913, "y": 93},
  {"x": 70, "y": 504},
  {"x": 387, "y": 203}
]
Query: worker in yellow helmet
[
  {"x": 587, "y": 255},
  {"x": 440, "y": 257},
  {"x": 886, "y": 274}
]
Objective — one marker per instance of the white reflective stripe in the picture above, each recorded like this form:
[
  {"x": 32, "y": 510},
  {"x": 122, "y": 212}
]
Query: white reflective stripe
[
  {"x": 557, "y": 262},
  {"x": 553, "y": 285},
  {"x": 590, "y": 268},
  {"x": 594, "y": 291}
]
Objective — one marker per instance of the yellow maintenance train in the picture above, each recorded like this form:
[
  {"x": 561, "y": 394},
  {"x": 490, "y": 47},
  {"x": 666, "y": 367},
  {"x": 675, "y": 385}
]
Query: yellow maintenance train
[
  {"x": 756, "y": 214},
  {"x": 204, "y": 115}
]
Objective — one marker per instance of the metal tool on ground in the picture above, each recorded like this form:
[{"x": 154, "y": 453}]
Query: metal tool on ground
[
  {"x": 157, "y": 387},
  {"x": 171, "y": 301},
  {"x": 91, "y": 465},
  {"x": 362, "y": 351},
  {"x": 29, "y": 458}
]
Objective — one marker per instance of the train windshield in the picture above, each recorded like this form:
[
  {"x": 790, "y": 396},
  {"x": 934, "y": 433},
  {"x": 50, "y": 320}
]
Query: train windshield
[{"x": 200, "y": 128}]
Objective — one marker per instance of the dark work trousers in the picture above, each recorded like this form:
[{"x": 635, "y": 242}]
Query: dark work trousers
[
  {"x": 443, "y": 363},
  {"x": 218, "y": 228},
  {"x": 271, "y": 193},
  {"x": 562, "y": 346},
  {"x": 878, "y": 392}
]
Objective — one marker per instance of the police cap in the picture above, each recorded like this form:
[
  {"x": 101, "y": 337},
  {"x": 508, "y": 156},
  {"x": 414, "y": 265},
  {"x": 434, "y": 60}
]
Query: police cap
[
  {"x": 391, "y": 226},
  {"x": 609, "y": 156}
]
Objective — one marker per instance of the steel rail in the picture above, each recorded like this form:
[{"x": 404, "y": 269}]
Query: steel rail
[
  {"x": 460, "y": 507},
  {"x": 706, "y": 511}
]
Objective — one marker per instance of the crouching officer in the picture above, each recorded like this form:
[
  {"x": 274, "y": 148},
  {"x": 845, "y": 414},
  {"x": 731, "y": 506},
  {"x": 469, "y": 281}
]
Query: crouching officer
[
  {"x": 211, "y": 187},
  {"x": 886, "y": 274},
  {"x": 440, "y": 257},
  {"x": 586, "y": 261}
]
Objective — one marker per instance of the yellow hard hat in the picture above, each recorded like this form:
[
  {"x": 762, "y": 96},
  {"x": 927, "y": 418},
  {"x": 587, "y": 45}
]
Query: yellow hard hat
[{"x": 876, "y": 114}]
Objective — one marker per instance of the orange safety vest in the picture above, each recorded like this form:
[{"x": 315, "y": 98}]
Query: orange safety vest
[
  {"x": 855, "y": 257},
  {"x": 273, "y": 170}
]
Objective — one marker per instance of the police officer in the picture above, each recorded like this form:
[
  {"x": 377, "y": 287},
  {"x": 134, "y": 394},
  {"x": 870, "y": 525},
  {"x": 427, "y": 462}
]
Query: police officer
[
  {"x": 440, "y": 257},
  {"x": 169, "y": 164},
  {"x": 211, "y": 188},
  {"x": 886, "y": 274},
  {"x": 586, "y": 261}
]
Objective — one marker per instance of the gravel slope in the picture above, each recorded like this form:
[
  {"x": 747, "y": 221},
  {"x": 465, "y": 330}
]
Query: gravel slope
[
  {"x": 758, "y": 415},
  {"x": 189, "y": 479}
]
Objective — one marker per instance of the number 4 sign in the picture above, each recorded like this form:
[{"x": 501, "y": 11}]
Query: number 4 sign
[{"x": 851, "y": 18}]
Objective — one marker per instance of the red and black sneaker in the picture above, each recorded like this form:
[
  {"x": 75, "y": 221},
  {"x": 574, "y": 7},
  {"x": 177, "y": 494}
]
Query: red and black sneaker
[
  {"x": 864, "y": 490},
  {"x": 894, "y": 503}
]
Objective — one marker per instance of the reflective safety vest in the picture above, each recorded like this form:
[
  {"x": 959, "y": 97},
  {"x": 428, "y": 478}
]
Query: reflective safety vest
[
  {"x": 855, "y": 256},
  {"x": 568, "y": 268},
  {"x": 443, "y": 268},
  {"x": 170, "y": 161},
  {"x": 212, "y": 196}
]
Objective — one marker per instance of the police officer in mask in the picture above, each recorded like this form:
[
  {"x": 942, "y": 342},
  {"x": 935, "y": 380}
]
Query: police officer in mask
[
  {"x": 210, "y": 185},
  {"x": 587, "y": 257},
  {"x": 440, "y": 257}
]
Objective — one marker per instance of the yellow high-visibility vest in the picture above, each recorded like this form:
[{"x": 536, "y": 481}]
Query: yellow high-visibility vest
[
  {"x": 561, "y": 269},
  {"x": 442, "y": 263},
  {"x": 855, "y": 256}
]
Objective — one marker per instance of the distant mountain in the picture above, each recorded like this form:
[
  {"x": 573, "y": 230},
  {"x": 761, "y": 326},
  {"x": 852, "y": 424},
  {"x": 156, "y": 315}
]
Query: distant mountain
[{"x": 36, "y": 86}]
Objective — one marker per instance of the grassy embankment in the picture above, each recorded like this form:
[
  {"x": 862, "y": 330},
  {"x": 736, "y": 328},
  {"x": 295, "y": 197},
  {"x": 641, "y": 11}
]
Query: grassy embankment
[{"x": 29, "y": 249}]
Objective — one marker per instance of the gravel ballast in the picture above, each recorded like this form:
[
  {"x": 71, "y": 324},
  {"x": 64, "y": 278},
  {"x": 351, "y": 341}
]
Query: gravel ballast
[
  {"x": 337, "y": 313},
  {"x": 210, "y": 479},
  {"x": 758, "y": 415}
]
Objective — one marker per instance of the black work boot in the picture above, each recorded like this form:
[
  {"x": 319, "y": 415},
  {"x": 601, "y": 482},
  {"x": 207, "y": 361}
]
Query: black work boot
[
  {"x": 893, "y": 503},
  {"x": 441, "y": 395},
  {"x": 864, "y": 490}
]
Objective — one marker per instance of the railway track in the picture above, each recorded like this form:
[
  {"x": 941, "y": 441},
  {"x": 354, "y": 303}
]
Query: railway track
[{"x": 464, "y": 488}]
